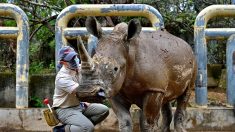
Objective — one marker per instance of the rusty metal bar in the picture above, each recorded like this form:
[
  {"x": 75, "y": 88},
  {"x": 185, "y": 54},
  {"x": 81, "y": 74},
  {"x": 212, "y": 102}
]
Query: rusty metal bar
[
  {"x": 200, "y": 37},
  {"x": 101, "y": 10},
  {"x": 21, "y": 33}
]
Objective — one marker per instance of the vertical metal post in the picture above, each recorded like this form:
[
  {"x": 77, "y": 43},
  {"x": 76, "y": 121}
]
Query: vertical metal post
[
  {"x": 21, "y": 32},
  {"x": 201, "y": 55},
  {"x": 230, "y": 61}
]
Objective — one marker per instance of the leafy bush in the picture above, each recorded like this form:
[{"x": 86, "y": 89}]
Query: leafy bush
[
  {"x": 35, "y": 102},
  {"x": 36, "y": 67}
]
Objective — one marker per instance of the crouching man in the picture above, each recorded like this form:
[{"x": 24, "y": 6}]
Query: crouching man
[{"x": 75, "y": 115}]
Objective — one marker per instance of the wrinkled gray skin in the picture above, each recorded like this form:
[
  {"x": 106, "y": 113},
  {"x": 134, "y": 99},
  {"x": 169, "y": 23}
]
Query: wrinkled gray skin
[{"x": 146, "y": 69}]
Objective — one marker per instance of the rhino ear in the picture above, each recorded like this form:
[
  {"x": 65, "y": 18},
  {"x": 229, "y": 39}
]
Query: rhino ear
[
  {"x": 134, "y": 28},
  {"x": 93, "y": 27}
]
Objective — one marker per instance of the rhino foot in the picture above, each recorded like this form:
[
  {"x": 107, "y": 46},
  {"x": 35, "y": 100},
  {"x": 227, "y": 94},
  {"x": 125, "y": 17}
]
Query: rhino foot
[
  {"x": 179, "y": 128},
  {"x": 165, "y": 130}
]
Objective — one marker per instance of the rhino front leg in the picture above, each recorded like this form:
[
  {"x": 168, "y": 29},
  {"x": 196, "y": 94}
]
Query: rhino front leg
[
  {"x": 121, "y": 109},
  {"x": 151, "y": 111}
]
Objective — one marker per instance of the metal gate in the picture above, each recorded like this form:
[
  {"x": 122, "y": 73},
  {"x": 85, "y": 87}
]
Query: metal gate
[
  {"x": 63, "y": 32},
  {"x": 201, "y": 35},
  {"x": 21, "y": 33}
]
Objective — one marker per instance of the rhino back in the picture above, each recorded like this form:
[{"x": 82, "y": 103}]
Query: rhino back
[
  {"x": 161, "y": 61},
  {"x": 163, "y": 47}
]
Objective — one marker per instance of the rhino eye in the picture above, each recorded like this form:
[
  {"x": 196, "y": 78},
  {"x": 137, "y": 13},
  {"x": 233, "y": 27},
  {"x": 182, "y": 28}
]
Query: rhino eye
[{"x": 115, "y": 68}]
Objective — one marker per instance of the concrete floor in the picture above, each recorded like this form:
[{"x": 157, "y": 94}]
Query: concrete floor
[{"x": 197, "y": 120}]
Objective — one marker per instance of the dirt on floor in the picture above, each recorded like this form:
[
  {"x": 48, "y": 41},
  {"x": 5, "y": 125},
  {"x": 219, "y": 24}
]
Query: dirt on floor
[{"x": 216, "y": 97}]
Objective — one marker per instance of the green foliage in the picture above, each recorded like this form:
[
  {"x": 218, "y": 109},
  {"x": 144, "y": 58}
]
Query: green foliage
[
  {"x": 52, "y": 65},
  {"x": 178, "y": 15},
  {"x": 33, "y": 49},
  {"x": 9, "y": 23},
  {"x": 36, "y": 67},
  {"x": 73, "y": 1},
  {"x": 35, "y": 102},
  {"x": 107, "y": 103},
  {"x": 84, "y": 1},
  {"x": 43, "y": 34},
  {"x": 52, "y": 44},
  {"x": 216, "y": 52},
  {"x": 40, "y": 68}
]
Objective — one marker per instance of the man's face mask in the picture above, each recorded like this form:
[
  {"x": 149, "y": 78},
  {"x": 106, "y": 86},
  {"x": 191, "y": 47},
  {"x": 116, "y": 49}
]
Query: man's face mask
[{"x": 73, "y": 64}]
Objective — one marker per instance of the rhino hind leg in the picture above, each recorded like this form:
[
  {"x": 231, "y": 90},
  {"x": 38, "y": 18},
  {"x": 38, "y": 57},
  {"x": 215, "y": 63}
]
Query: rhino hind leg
[
  {"x": 180, "y": 112},
  {"x": 167, "y": 117},
  {"x": 151, "y": 112}
]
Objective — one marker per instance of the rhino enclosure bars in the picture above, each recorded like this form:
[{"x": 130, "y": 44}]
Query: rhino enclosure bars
[
  {"x": 201, "y": 35},
  {"x": 63, "y": 32},
  {"x": 21, "y": 33}
]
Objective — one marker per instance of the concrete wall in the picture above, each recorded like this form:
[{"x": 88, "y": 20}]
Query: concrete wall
[
  {"x": 7, "y": 90},
  {"x": 40, "y": 86}
]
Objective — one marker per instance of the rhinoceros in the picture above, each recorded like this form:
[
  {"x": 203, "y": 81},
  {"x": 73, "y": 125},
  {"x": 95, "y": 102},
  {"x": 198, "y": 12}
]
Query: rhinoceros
[{"x": 149, "y": 69}]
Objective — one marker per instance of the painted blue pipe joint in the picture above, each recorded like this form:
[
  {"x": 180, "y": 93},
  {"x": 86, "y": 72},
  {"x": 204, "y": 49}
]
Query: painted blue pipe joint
[
  {"x": 73, "y": 11},
  {"x": 21, "y": 32},
  {"x": 230, "y": 62}
]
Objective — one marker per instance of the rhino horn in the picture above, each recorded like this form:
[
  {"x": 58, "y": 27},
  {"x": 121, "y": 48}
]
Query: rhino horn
[{"x": 86, "y": 60}]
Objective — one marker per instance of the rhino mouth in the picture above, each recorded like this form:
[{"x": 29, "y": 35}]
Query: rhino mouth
[
  {"x": 101, "y": 93},
  {"x": 91, "y": 83},
  {"x": 91, "y": 93}
]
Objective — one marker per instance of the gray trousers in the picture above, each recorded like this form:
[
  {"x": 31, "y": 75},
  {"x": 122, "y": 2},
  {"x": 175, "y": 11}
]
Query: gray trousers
[{"x": 81, "y": 119}]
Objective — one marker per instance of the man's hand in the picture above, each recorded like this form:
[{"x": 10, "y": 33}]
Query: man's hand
[{"x": 86, "y": 104}]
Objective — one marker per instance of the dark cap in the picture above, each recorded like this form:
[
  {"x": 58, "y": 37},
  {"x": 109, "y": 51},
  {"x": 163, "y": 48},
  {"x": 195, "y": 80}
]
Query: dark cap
[{"x": 66, "y": 53}]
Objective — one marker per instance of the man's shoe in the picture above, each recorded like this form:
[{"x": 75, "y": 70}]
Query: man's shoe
[{"x": 59, "y": 128}]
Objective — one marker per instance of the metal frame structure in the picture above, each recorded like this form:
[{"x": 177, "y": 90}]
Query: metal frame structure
[
  {"x": 201, "y": 35},
  {"x": 21, "y": 33},
  {"x": 63, "y": 32}
]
